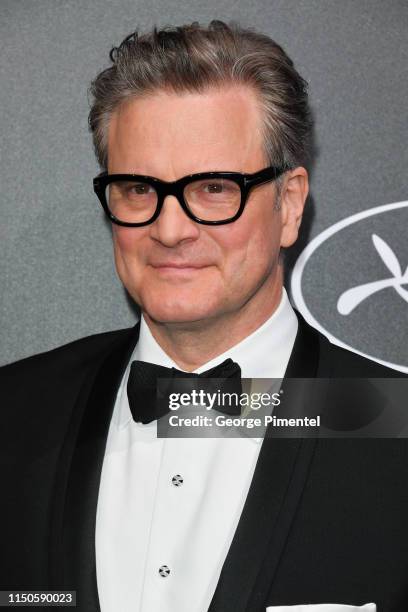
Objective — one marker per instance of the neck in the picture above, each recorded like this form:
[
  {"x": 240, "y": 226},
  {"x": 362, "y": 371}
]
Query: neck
[{"x": 192, "y": 344}]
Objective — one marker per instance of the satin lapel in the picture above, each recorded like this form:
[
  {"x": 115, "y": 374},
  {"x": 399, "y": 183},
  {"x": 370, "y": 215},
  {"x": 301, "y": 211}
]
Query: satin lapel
[
  {"x": 279, "y": 478},
  {"x": 72, "y": 560}
]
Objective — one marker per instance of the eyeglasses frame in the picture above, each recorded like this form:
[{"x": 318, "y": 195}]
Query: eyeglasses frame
[{"x": 246, "y": 182}]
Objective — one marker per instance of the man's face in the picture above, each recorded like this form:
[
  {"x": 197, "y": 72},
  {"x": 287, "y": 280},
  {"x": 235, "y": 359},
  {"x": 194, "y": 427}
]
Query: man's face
[{"x": 179, "y": 271}]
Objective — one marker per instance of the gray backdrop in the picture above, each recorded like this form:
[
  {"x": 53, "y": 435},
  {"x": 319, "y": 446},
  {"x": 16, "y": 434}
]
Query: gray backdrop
[{"x": 58, "y": 278}]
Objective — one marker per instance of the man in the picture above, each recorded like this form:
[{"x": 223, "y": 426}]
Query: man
[{"x": 202, "y": 135}]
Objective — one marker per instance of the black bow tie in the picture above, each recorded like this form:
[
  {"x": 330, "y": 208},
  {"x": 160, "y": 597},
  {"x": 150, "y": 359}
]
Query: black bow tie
[{"x": 142, "y": 391}]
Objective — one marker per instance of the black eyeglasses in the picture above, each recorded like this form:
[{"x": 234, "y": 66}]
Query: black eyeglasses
[{"x": 210, "y": 198}]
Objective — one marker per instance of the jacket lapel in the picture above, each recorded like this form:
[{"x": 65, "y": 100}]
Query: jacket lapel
[
  {"x": 72, "y": 546},
  {"x": 279, "y": 478}
]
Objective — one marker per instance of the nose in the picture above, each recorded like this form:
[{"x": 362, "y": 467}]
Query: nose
[{"x": 173, "y": 225}]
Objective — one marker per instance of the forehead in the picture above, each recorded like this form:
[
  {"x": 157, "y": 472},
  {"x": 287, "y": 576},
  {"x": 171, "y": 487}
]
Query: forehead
[{"x": 182, "y": 133}]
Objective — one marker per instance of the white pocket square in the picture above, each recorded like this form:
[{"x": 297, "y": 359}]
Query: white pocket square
[{"x": 370, "y": 607}]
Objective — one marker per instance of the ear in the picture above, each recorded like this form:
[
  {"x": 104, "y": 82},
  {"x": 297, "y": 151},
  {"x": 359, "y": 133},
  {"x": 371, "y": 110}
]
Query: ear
[{"x": 293, "y": 198}]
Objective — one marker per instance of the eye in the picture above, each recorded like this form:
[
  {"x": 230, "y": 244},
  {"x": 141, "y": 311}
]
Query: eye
[
  {"x": 214, "y": 187},
  {"x": 219, "y": 186},
  {"x": 140, "y": 189}
]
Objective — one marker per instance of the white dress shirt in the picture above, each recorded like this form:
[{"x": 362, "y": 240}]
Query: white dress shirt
[{"x": 168, "y": 508}]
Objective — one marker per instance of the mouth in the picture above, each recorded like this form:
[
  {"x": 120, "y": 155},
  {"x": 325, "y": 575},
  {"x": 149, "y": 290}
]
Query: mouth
[{"x": 178, "y": 269}]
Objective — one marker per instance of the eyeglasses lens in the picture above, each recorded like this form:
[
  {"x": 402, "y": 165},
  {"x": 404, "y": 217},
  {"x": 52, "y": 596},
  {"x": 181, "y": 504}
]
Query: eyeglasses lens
[
  {"x": 213, "y": 199},
  {"x": 131, "y": 201}
]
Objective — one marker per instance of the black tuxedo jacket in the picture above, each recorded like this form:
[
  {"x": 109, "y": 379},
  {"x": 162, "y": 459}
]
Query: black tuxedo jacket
[{"x": 325, "y": 520}]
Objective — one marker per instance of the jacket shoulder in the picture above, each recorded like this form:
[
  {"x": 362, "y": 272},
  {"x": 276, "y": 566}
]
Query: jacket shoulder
[
  {"x": 72, "y": 356},
  {"x": 338, "y": 362},
  {"x": 346, "y": 363},
  {"x": 40, "y": 392}
]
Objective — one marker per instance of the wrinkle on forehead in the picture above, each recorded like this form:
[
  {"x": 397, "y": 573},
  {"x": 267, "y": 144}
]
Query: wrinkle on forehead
[{"x": 175, "y": 134}]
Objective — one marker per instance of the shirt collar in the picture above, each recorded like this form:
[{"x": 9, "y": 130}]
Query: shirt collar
[{"x": 263, "y": 354}]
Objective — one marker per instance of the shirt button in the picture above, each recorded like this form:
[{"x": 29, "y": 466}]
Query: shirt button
[
  {"x": 164, "y": 571},
  {"x": 177, "y": 480}
]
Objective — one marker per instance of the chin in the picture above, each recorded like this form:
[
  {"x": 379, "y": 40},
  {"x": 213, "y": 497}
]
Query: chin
[{"x": 178, "y": 309}]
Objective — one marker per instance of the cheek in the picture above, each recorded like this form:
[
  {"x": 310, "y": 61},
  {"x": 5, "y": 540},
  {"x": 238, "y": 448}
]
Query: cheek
[
  {"x": 251, "y": 249},
  {"x": 127, "y": 242},
  {"x": 265, "y": 236},
  {"x": 123, "y": 239},
  {"x": 128, "y": 252}
]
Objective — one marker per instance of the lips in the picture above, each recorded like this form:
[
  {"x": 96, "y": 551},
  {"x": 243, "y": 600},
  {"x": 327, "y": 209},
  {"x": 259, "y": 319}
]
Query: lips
[
  {"x": 178, "y": 271},
  {"x": 178, "y": 266}
]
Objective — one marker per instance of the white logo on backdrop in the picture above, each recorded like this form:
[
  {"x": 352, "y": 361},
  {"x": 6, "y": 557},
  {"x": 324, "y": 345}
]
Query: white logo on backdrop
[
  {"x": 354, "y": 296},
  {"x": 351, "y": 298}
]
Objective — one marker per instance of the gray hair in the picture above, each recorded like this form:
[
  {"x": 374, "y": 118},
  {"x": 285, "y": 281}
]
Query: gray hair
[{"x": 193, "y": 58}]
